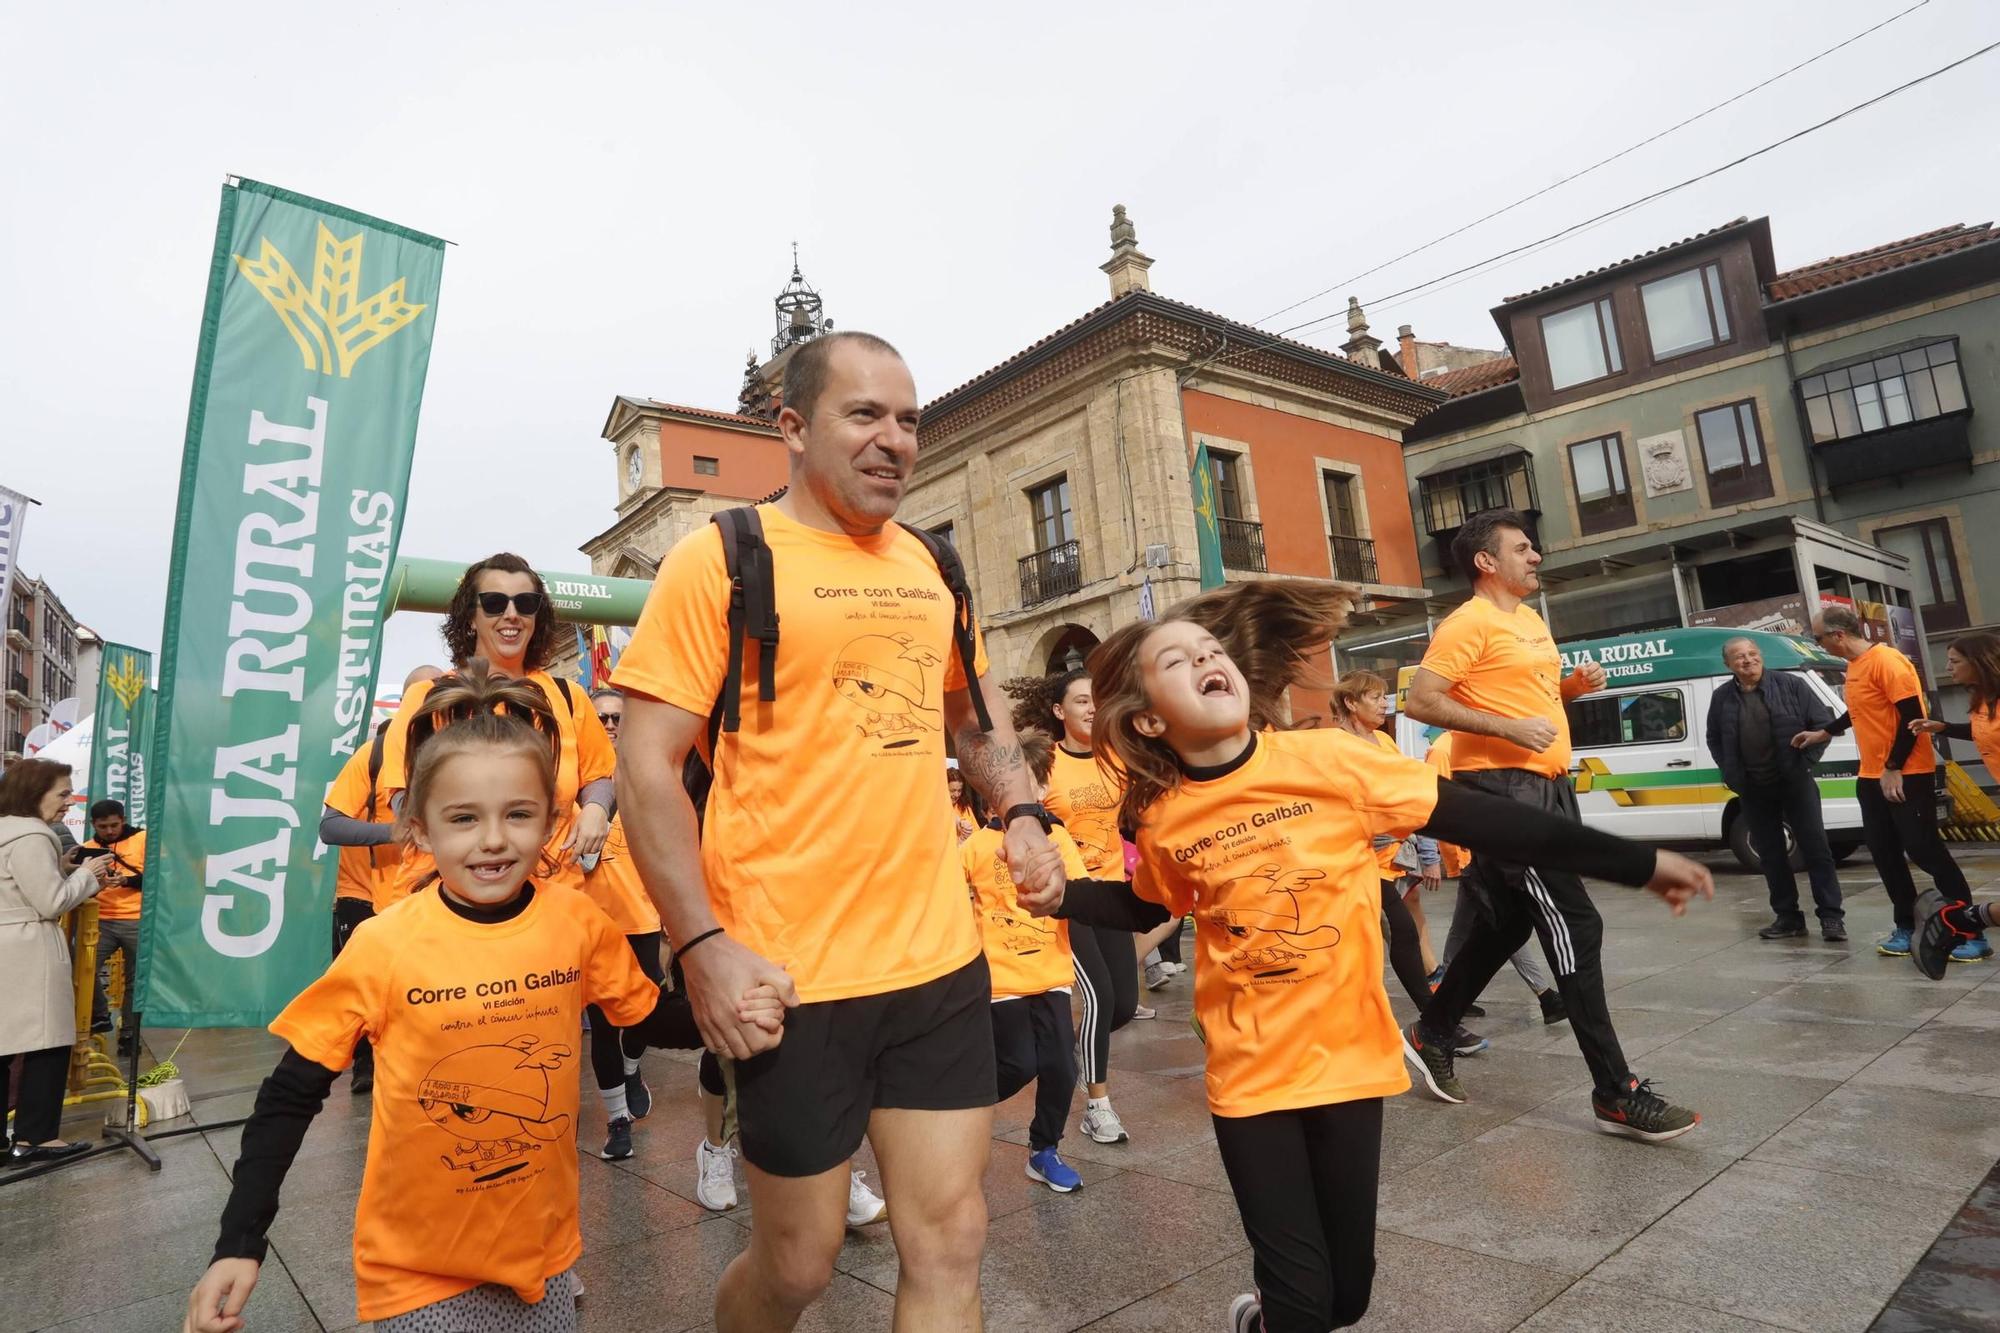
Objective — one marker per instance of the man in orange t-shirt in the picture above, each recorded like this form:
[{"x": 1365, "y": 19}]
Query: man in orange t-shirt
[
  {"x": 827, "y": 866},
  {"x": 1493, "y": 677},
  {"x": 118, "y": 909},
  {"x": 1897, "y": 786}
]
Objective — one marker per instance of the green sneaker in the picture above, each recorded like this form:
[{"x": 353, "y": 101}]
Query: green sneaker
[{"x": 1433, "y": 1063}]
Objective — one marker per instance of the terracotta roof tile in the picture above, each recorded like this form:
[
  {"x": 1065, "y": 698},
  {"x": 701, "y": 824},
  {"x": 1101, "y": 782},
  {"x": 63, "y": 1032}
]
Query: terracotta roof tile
[
  {"x": 709, "y": 414},
  {"x": 1840, "y": 269},
  {"x": 1473, "y": 379},
  {"x": 1648, "y": 254}
]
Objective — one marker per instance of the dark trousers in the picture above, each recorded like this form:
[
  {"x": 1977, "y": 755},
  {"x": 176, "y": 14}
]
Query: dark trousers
[
  {"x": 114, "y": 937},
  {"x": 1405, "y": 950},
  {"x": 1305, "y": 1185},
  {"x": 1792, "y": 800},
  {"x": 1033, "y": 1041},
  {"x": 1515, "y": 901},
  {"x": 1107, "y": 981},
  {"x": 1908, "y": 828},
  {"x": 37, "y": 1107},
  {"x": 610, "y": 1046},
  {"x": 348, "y": 916}
]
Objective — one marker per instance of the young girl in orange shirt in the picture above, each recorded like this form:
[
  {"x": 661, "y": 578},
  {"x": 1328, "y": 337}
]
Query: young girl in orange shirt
[
  {"x": 1265, "y": 835},
  {"x": 472, "y": 993}
]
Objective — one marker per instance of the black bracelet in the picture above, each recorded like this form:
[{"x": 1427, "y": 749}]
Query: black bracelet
[{"x": 706, "y": 934}]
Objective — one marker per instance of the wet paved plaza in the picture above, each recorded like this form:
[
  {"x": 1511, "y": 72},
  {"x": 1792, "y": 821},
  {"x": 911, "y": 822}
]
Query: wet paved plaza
[{"x": 1850, "y": 1108}]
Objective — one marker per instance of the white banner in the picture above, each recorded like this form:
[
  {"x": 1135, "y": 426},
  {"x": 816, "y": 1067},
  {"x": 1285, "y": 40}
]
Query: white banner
[{"x": 13, "y": 513}]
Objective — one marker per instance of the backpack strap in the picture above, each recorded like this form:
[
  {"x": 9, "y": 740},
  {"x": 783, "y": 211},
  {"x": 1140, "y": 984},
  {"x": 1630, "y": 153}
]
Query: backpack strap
[
  {"x": 569, "y": 701},
  {"x": 753, "y": 614},
  {"x": 963, "y": 631},
  {"x": 375, "y": 764}
]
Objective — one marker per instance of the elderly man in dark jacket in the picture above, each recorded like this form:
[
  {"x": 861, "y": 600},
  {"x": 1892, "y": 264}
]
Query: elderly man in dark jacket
[{"x": 1751, "y": 722}]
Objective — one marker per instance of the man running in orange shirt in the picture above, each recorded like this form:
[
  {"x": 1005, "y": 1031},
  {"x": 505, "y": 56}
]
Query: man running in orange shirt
[
  {"x": 827, "y": 866},
  {"x": 1493, "y": 676},
  {"x": 1897, "y": 786}
]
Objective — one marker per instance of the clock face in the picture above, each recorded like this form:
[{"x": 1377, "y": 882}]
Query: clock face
[{"x": 635, "y": 468}]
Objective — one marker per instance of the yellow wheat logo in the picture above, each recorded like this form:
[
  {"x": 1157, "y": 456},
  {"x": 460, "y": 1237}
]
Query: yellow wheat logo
[
  {"x": 330, "y": 322},
  {"x": 126, "y": 681}
]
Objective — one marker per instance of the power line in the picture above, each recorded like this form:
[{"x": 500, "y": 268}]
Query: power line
[
  {"x": 1576, "y": 175},
  {"x": 1660, "y": 193}
]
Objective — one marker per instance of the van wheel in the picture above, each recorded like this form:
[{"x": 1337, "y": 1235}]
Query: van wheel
[
  {"x": 1844, "y": 849},
  {"x": 1746, "y": 855}
]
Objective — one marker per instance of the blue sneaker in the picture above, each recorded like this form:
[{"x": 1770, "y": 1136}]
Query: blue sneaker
[
  {"x": 1972, "y": 951},
  {"x": 1895, "y": 945},
  {"x": 1049, "y": 1168}
]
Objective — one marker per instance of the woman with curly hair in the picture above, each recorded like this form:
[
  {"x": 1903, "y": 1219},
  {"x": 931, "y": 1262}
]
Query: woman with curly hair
[{"x": 501, "y": 612}]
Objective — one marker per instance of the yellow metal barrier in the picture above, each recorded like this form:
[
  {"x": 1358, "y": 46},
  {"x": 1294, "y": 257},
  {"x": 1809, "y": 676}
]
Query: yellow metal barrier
[
  {"x": 94, "y": 1075},
  {"x": 1974, "y": 816}
]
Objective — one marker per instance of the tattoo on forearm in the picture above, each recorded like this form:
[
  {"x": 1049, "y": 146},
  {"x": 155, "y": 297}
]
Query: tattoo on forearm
[{"x": 993, "y": 768}]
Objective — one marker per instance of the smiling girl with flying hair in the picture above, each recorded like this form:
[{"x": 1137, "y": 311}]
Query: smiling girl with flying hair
[{"x": 1266, "y": 836}]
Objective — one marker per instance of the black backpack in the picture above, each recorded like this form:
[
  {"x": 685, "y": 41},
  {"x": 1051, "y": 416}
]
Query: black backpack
[{"x": 753, "y": 614}]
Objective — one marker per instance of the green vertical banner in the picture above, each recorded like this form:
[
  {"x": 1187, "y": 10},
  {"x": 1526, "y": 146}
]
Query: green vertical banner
[
  {"x": 120, "y": 727},
  {"x": 303, "y": 417},
  {"x": 1207, "y": 520}
]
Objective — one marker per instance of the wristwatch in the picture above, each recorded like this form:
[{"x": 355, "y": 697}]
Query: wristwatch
[{"x": 1028, "y": 810}]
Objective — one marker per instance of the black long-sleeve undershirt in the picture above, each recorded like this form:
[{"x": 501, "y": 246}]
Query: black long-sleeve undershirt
[
  {"x": 288, "y": 1100},
  {"x": 1957, "y": 731},
  {"x": 1468, "y": 818},
  {"x": 1907, "y": 711}
]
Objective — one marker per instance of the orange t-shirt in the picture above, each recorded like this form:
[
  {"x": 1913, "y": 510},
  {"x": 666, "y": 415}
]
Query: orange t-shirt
[
  {"x": 1028, "y": 955},
  {"x": 118, "y": 903},
  {"x": 1875, "y": 681},
  {"x": 1385, "y": 855},
  {"x": 1455, "y": 857},
  {"x": 471, "y": 1174},
  {"x": 1986, "y": 738},
  {"x": 1273, "y": 859},
  {"x": 1084, "y": 799},
  {"x": 616, "y": 887},
  {"x": 828, "y": 844},
  {"x": 587, "y": 755},
  {"x": 1504, "y": 663},
  {"x": 372, "y": 874}
]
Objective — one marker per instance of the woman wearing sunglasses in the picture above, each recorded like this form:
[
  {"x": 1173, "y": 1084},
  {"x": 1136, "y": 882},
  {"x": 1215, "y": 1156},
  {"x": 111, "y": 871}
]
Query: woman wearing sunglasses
[{"x": 501, "y": 612}]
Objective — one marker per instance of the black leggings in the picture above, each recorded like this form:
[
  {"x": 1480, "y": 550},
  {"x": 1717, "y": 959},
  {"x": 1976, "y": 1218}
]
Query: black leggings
[
  {"x": 1107, "y": 981},
  {"x": 1305, "y": 1185},
  {"x": 1033, "y": 1042},
  {"x": 348, "y": 916},
  {"x": 610, "y": 1047},
  {"x": 1908, "y": 828},
  {"x": 1406, "y": 952}
]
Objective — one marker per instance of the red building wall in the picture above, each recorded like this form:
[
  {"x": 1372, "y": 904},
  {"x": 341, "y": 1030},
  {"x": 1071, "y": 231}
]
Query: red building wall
[
  {"x": 1281, "y": 452},
  {"x": 748, "y": 465}
]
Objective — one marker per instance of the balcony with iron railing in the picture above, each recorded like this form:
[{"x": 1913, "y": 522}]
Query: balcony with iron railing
[
  {"x": 1051, "y": 573},
  {"x": 1354, "y": 560},
  {"x": 1242, "y": 545},
  {"x": 22, "y": 626},
  {"x": 17, "y": 684}
]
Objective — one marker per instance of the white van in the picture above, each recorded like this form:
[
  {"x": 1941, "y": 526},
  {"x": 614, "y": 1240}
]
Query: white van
[{"x": 1639, "y": 747}]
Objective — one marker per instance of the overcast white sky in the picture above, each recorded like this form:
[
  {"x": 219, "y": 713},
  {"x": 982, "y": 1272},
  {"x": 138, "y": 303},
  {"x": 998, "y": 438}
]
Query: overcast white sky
[{"x": 624, "y": 181}]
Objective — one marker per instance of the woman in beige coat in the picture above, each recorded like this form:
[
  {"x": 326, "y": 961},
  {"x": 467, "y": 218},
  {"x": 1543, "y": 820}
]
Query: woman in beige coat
[{"x": 37, "y": 1002}]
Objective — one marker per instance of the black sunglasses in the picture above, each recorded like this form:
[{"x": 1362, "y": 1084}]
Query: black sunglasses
[
  {"x": 528, "y": 604},
  {"x": 608, "y": 718}
]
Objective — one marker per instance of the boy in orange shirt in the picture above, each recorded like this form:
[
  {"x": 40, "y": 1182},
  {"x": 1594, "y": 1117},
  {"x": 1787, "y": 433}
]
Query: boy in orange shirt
[{"x": 1033, "y": 1037}]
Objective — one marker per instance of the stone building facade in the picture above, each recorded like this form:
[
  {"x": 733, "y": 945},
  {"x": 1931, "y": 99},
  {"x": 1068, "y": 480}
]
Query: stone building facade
[{"x": 45, "y": 647}]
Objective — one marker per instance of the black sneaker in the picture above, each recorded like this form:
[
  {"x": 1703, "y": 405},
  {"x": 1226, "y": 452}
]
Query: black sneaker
[
  {"x": 1640, "y": 1113},
  {"x": 1474, "y": 1011},
  {"x": 1553, "y": 1009},
  {"x": 638, "y": 1097},
  {"x": 1467, "y": 1042},
  {"x": 1432, "y": 1061},
  {"x": 363, "y": 1082},
  {"x": 1783, "y": 930},
  {"x": 1933, "y": 940},
  {"x": 1833, "y": 932},
  {"x": 618, "y": 1146}
]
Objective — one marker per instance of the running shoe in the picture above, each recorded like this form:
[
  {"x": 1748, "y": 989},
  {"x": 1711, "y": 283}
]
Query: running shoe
[
  {"x": 1157, "y": 976},
  {"x": 618, "y": 1144},
  {"x": 1467, "y": 1042},
  {"x": 1935, "y": 941},
  {"x": 1896, "y": 944},
  {"x": 1784, "y": 930},
  {"x": 1048, "y": 1167},
  {"x": 1972, "y": 951},
  {"x": 1246, "y": 1314},
  {"x": 864, "y": 1206},
  {"x": 638, "y": 1097},
  {"x": 1553, "y": 1009},
  {"x": 1640, "y": 1113},
  {"x": 1437, "y": 975},
  {"x": 1475, "y": 1011},
  {"x": 1432, "y": 1062},
  {"x": 363, "y": 1082},
  {"x": 1833, "y": 932},
  {"x": 1144, "y": 1011},
  {"x": 715, "y": 1176},
  {"x": 1173, "y": 967},
  {"x": 1102, "y": 1125}
]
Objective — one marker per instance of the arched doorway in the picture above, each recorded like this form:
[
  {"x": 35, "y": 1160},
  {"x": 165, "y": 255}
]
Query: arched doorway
[{"x": 1067, "y": 647}]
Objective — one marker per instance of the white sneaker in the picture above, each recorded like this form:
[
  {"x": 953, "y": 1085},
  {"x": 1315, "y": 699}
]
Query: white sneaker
[
  {"x": 864, "y": 1206},
  {"x": 1175, "y": 968},
  {"x": 1144, "y": 1011},
  {"x": 715, "y": 1176},
  {"x": 1246, "y": 1314},
  {"x": 1103, "y": 1125},
  {"x": 1157, "y": 975}
]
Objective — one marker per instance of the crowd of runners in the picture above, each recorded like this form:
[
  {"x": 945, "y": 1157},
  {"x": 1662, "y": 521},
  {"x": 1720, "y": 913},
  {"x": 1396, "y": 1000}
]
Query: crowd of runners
[{"x": 882, "y": 893}]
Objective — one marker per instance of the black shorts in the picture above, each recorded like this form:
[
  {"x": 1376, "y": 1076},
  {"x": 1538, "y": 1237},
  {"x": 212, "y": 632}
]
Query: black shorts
[{"x": 803, "y": 1108}]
